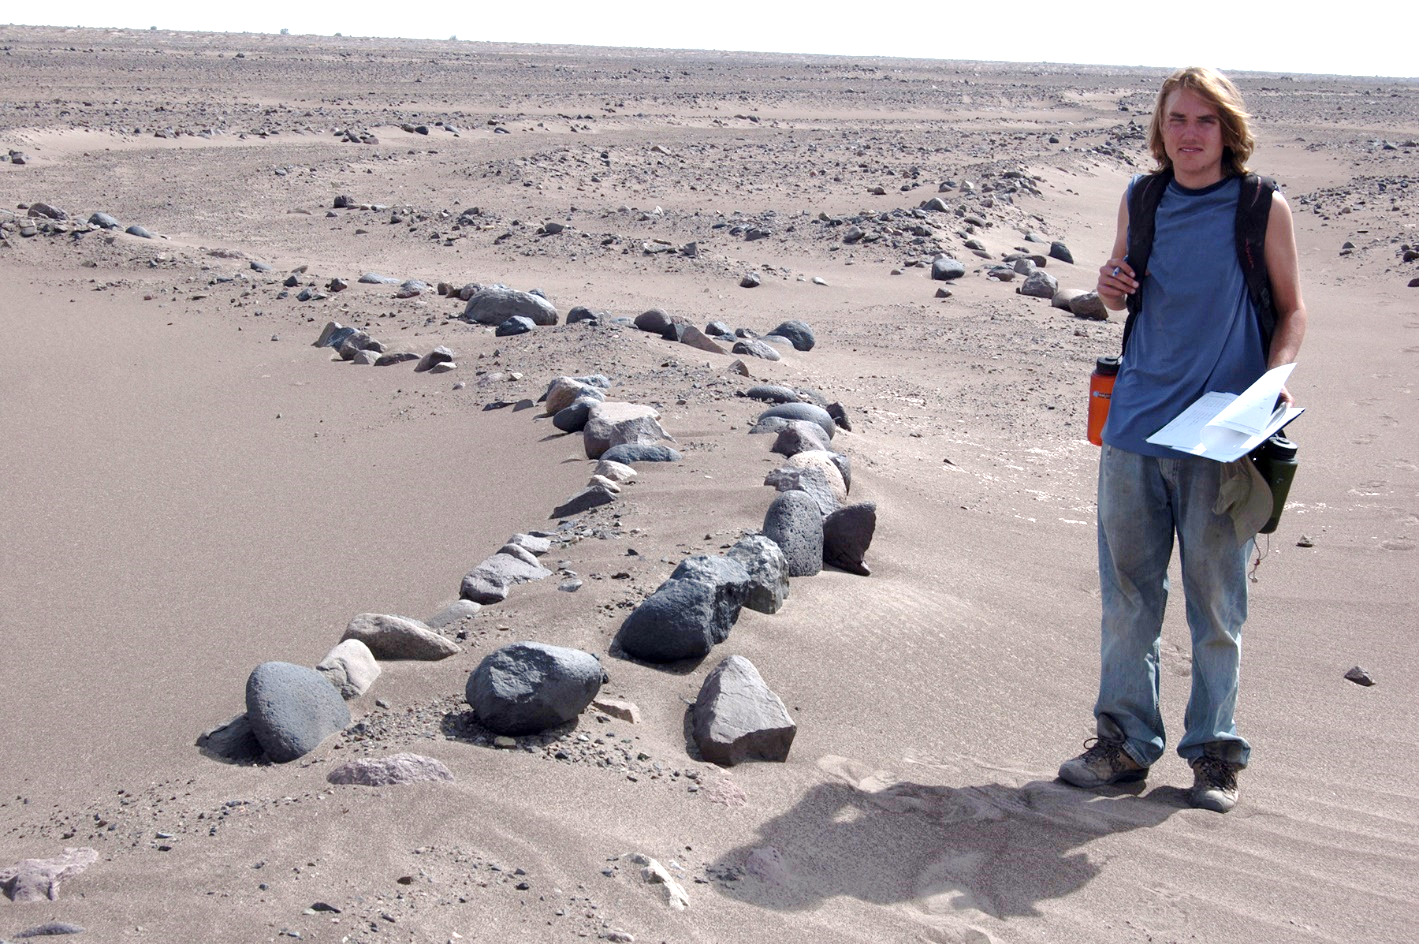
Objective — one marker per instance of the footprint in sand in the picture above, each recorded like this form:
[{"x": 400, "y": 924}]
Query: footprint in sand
[
  {"x": 1398, "y": 544},
  {"x": 1371, "y": 488}
]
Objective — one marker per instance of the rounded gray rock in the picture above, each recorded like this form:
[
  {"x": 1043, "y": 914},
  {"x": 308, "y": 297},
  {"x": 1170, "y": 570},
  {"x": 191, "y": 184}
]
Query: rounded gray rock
[
  {"x": 631, "y": 453},
  {"x": 801, "y": 411},
  {"x": 529, "y": 687},
  {"x": 292, "y": 709},
  {"x": 772, "y": 393},
  {"x": 494, "y": 304},
  {"x": 655, "y": 321},
  {"x": 572, "y": 418}
]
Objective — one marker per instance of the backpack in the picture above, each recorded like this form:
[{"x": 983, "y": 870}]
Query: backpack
[{"x": 1253, "y": 210}]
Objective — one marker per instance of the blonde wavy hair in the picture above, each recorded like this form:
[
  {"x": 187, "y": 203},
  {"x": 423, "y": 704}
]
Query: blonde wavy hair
[{"x": 1217, "y": 89}]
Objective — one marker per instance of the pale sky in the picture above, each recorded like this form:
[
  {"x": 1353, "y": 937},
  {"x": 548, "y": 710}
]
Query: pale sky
[{"x": 1366, "y": 37}]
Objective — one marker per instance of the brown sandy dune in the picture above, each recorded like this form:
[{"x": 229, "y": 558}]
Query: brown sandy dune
[{"x": 191, "y": 489}]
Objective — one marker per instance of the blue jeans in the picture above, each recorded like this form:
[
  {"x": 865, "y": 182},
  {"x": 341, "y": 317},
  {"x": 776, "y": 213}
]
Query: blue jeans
[{"x": 1142, "y": 501}]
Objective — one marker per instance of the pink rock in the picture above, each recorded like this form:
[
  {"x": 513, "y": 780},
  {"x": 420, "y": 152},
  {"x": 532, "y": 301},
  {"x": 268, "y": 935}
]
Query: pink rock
[{"x": 391, "y": 770}]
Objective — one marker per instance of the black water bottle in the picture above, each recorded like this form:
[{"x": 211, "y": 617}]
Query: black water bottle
[{"x": 1275, "y": 459}]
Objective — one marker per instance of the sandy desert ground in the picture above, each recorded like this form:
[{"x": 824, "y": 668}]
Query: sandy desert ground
[{"x": 190, "y": 489}]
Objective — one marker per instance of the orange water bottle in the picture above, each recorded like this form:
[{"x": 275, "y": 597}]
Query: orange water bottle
[{"x": 1101, "y": 391}]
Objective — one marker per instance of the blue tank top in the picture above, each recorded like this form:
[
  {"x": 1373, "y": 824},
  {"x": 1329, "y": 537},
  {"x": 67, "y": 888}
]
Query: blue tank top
[{"x": 1197, "y": 330}]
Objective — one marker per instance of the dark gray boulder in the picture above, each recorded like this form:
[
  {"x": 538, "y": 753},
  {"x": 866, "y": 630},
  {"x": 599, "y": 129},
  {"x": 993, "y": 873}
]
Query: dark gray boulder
[
  {"x": 718, "y": 329},
  {"x": 572, "y": 418},
  {"x": 675, "y": 622},
  {"x": 839, "y": 414},
  {"x": 1089, "y": 305},
  {"x": 768, "y": 572},
  {"x": 582, "y": 313},
  {"x": 494, "y": 304},
  {"x": 655, "y": 321},
  {"x": 944, "y": 269},
  {"x": 847, "y": 534},
  {"x": 333, "y": 335},
  {"x": 292, "y": 709},
  {"x": 737, "y": 717},
  {"x": 140, "y": 231},
  {"x": 1058, "y": 250},
  {"x": 104, "y": 221},
  {"x": 631, "y": 453},
  {"x": 801, "y": 411},
  {"x": 529, "y": 687},
  {"x": 798, "y": 334},
  {"x": 729, "y": 580},
  {"x": 1039, "y": 284},
  {"x": 517, "y": 324},
  {"x": 795, "y": 523}
]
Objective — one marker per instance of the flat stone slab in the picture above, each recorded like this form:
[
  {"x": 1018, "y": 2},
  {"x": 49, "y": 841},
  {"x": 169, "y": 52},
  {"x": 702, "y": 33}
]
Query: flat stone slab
[
  {"x": 399, "y": 637},
  {"x": 391, "y": 771}
]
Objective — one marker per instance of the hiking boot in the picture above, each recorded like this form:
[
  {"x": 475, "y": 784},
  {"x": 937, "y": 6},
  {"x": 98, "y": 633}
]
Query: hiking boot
[
  {"x": 1103, "y": 762},
  {"x": 1214, "y": 784}
]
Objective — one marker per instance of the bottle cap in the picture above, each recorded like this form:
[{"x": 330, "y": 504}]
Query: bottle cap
[
  {"x": 1108, "y": 365},
  {"x": 1279, "y": 447}
]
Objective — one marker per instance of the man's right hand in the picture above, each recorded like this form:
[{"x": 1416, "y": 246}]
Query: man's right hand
[{"x": 1116, "y": 282}]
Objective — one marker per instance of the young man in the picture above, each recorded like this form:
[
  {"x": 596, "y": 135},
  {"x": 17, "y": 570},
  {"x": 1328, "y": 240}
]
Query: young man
[{"x": 1196, "y": 328}]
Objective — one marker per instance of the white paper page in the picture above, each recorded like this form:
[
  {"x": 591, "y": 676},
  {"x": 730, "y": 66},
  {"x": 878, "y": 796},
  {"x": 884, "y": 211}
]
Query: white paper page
[
  {"x": 1254, "y": 408},
  {"x": 1185, "y": 431}
]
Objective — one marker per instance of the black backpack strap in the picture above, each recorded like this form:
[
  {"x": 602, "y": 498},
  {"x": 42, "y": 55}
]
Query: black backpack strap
[
  {"x": 1143, "y": 199},
  {"x": 1253, "y": 212}
]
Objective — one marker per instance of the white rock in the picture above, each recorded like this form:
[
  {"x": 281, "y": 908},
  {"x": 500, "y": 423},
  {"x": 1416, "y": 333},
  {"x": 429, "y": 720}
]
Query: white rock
[{"x": 350, "y": 667}]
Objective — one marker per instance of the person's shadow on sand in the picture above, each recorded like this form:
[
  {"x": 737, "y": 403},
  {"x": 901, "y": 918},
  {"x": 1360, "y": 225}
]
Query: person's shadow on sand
[{"x": 993, "y": 848}]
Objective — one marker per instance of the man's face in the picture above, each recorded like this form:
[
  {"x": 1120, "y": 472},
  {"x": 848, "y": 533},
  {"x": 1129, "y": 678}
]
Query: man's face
[{"x": 1192, "y": 138}]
